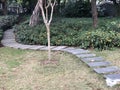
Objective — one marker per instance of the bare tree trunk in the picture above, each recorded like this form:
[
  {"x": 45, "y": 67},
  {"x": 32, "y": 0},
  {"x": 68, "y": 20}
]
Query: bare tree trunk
[
  {"x": 94, "y": 13},
  {"x": 5, "y": 7},
  {"x": 47, "y": 20},
  {"x": 34, "y": 19},
  {"x": 48, "y": 38}
]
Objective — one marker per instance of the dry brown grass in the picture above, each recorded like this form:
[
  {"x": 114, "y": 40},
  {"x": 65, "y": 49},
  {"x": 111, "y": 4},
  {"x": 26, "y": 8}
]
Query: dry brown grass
[{"x": 30, "y": 74}]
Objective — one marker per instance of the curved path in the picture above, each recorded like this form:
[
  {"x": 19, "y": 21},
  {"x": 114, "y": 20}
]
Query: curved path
[{"x": 98, "y": 64}]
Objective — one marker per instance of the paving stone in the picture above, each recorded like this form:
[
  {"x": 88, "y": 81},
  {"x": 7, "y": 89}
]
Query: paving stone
[
  {"x": 36, "y": 47},
  {"x": 106, "y": 70},
  {"x": 77, "y": 52},
  {"x": 112, "y": 79},
  {"x": 59, "y": 48},
  {"x": 68, "y": 49},
  {"x": 98, "y": 64},
  {"x": 93, "y": 59},
  {"x": 46, "y": 48},
  {"x": 8, "y": 40},
  {"x": 113, "y": 76},
  {"x": 19, "y": 46},
  {"x": 86, "y": 55}
]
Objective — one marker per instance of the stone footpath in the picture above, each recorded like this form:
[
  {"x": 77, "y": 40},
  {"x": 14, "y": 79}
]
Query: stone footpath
[{"x": 98, "y": 64}]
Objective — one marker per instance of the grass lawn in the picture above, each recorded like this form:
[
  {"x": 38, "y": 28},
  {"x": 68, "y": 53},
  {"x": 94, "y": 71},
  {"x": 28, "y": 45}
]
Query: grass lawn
[{"x": 22, "y": 70}]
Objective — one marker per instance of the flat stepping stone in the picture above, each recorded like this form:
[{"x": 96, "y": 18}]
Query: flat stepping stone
[
  {"x": 113, "y": 76},
  {"x": 59, "y": 48},
  {"x": 8, "y": 40},
  {"x": 106, "y": 70},
  {"x": 112, "y": 79},
  {"x": 20, "y": 46},
  {"x": 69, "y": 49},
  {"x": 98, "y": 64},
  {"x": 36, "y": 47},
  {"x": 77, "y": 52},
  {"x": 86, "y": 55},
  {"x": 46, "y": 47},
  {"x": 14, "y": 45},
  {"x": 92, "y": 59}
]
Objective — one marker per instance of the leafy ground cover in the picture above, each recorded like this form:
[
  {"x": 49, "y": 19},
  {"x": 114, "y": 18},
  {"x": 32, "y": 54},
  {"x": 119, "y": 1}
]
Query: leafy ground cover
[
  {"x": 22, "y": 70},
  {"x": 73, "y": 32}
]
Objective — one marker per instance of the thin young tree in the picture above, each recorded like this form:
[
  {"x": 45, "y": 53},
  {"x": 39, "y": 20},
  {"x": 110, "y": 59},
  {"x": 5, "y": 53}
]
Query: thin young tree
[{"x": 47, "y": 19}]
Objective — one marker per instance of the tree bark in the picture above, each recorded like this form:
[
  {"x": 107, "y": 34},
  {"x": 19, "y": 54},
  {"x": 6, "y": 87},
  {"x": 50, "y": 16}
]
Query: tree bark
[
  {"x": 48, "y": 38},
  {"x": 5, "y": 7},
  {"x": 94, "y": 13},
  {"x": 47, "y": 19},
  {"x": 34, "y": 19}
]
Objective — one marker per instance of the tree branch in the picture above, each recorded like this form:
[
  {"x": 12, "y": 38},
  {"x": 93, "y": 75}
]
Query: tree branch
[
  {"x": 42, "y": 10},
  {"x": 52, "y": 8}
]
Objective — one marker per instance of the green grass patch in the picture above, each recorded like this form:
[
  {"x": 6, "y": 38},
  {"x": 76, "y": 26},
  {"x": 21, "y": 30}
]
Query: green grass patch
[{"x": 12, "y": 63}]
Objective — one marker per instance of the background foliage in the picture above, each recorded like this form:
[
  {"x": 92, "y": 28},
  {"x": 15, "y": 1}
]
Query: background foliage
[
  {"x": 72, "y": 32},
  {"x": 77, "y": 9}
]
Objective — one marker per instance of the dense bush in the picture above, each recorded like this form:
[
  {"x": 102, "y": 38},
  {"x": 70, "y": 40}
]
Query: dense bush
[
  {"x": 77, "y": 9},
  {"x": 100, "y": 39},
  {"x": 70, "y": 32},
  {"x": 7, "y": 21}
]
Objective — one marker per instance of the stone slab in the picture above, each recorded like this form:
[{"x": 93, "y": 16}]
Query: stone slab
[
  {"x": 106, "y": 70},
  {"x": 86, "y": 55},
  {"x": 77, "y": 52},
  {"x": 98, "y": 64},
  {"x": 68, "y": 49},
  {"x": 35, "y": 47},
  {"x": 112, "y": 79},
  {"x": 20, "y": 46},
  {"x": 46, "y": 48},
  {"x": 8, "y": 40},
  {"x": 59, "y": 48},
  {"x": 113, "y": 76},
  {"x": 92, "y": 59}
]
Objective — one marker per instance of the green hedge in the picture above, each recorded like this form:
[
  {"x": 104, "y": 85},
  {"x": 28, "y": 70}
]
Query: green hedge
[
  {"x": 8, "y": 21},
  {"x": 69, "y": 32}
]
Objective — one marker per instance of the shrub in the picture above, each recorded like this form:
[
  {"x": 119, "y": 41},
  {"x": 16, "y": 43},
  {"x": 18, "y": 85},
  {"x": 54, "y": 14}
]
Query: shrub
[
  {"x": 100, "y": 39},
  {"x": 70, "y": 32},
  {"x": 7, "y": 21}
]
